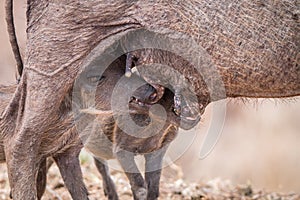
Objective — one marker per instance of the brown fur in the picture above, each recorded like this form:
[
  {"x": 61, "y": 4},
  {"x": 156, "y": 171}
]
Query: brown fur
[
  {"x": 254, "y": 45},
  {"x": 65, "y": 152},
  {"x": 65, "y": 149},
  {"x": 112, "y": 142}
]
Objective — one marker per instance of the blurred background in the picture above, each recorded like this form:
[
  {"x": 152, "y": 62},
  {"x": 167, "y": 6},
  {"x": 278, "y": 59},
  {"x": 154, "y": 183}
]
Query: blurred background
[{"x": 259, "y": 143}]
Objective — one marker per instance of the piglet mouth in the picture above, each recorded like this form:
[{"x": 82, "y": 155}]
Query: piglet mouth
[
  {"x": 183, "y": 114},
  {"x": 137, "y": 101},
  {"x": 147, "y": 100}
]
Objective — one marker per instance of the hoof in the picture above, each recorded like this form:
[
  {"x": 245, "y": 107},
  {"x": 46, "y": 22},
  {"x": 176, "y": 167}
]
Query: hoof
[{"x": 141, "y": 194}]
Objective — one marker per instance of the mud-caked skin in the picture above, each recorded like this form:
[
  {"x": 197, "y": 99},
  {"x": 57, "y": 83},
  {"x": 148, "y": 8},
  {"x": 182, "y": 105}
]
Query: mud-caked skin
[{"x": 253, "y": 45}]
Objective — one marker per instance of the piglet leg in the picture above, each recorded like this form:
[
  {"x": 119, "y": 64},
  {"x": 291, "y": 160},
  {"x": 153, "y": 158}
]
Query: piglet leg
[
  {"x": 69, "y": 166},
  {"x": 108, "y": 184},
  {"x": 153, "y": 172},
  {"x": 135, "y": 178}
]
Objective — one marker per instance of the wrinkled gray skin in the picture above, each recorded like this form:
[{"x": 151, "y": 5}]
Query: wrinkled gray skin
[
  {"x": 253, "y": 44},
  {"x": 107, "y": 141}
]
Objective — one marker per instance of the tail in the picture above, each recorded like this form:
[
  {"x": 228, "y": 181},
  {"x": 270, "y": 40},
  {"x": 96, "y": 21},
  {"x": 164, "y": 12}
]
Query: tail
[{"x": 12, "y": 35}]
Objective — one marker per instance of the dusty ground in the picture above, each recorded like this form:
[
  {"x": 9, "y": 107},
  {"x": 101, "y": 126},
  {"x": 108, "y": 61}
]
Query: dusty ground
[{"x": 172, "y": 187}]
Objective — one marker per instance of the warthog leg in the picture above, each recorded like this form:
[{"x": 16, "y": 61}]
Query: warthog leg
[
  {"x": 108, "y": 184},
  {"x": 138, "y": 185},
  {"x": 42, "y": 179},
  {"x": 22, "y": 171},
  {"x": 69, "y": 166},
  {"x": 153, "y": 172}
]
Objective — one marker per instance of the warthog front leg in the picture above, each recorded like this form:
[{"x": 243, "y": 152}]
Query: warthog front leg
[
  {"x": 42, "y": 179},
  {"x": 69, "y": 166},
  {"x": 22, "y": 172},
  {"x": 138, "y": 185},
  {"x": 153, "y": 172},
  {"x": 108, "y": 184}
]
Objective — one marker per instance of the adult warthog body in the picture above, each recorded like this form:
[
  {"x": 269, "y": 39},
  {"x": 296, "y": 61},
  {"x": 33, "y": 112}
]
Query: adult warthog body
[{"x": 254, "y": 46}]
